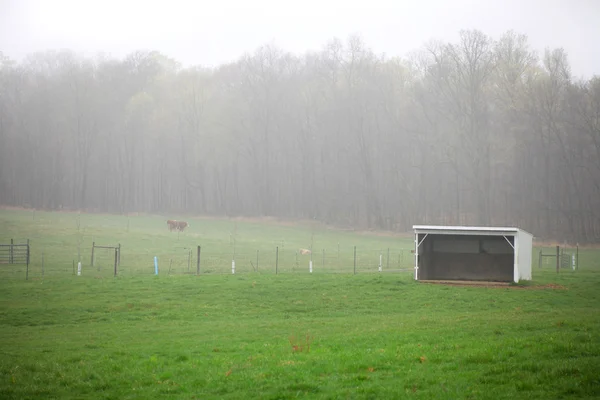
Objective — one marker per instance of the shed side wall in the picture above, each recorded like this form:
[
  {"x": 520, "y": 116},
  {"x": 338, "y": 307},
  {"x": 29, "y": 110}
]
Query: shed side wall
[{"x": 525, "y": 249}]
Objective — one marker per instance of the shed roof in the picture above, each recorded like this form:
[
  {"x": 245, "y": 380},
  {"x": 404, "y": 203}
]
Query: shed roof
[{"x": 467, "y": 229}]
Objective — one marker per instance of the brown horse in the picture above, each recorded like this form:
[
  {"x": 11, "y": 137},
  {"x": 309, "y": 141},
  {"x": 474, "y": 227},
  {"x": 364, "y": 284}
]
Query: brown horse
[
  {"x": 172, "y": 224},
  {"x": 177, "y": 225},
  {"x": 181, "y": 225}
]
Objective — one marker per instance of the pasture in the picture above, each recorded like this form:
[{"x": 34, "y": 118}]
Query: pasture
[{"x": 256, "y": 334}]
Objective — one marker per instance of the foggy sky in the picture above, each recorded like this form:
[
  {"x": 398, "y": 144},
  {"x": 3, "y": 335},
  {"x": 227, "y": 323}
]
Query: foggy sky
[{"x": 213, "y": 32}]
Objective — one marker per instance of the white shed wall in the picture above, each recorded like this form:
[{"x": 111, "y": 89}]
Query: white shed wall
[{"x": 524, "y": 255}]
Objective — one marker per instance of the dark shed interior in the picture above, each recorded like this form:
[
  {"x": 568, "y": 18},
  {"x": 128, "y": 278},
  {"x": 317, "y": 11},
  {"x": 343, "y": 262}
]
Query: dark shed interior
[{"x": 466, "y": 257}]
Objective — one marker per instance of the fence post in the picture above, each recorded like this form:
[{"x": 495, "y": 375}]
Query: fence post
[
  {"x": 27, "y": 273},
  {"x": 276, "y": 259},
  {"x": 540, "y": 259},
  {"x": 10, "y": 253},
  {"x": 354, "y": 260},
  {"x": 117, "y": 251},
  {"x": 27, "y": 269},
  {"x": 557, "y": 258},
  {"x": 577, "y": 257},
  {"x": 380, "y": 262},
  {"x": 93, "y": 247},
  {"x": 189, "y": 260},
  {"x": 387, "y": 262},
  {"x": 198, "y": 262}
]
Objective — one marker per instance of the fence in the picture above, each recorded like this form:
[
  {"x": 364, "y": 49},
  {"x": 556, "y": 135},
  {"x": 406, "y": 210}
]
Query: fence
[
  {"x": 117, "y": 258},
  {"x": 203, "y": 260},
  {"x": 105, "y": 261},
  {"x": 560, "y": 258},
  {"x": 15, "y": 253}
]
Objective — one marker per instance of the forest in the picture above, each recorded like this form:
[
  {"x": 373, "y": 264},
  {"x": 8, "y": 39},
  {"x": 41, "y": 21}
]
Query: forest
[{"x": 480, "y": 131}]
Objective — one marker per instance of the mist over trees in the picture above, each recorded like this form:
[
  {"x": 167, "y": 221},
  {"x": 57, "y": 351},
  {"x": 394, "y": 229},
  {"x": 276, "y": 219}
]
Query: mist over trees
[{"x": 480, "y": 131}]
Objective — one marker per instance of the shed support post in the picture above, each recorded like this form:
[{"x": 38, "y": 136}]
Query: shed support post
[
  {"x": 417, "y": 244},
  {"x": 516, "y": 276}
]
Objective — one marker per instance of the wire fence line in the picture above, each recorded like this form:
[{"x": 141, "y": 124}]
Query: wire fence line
[{"x": 204, "y": 260}]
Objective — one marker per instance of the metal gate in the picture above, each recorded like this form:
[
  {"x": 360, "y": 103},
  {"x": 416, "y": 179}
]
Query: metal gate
[{"x": 15, "y": 253}]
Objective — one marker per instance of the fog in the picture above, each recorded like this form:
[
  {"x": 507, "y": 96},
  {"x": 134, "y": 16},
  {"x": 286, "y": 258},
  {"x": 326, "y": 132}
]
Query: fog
[{"x": 375, "y": 118}]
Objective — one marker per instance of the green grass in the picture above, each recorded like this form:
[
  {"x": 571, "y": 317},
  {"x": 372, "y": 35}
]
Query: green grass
[
  {"x": 64, "y": 238},
  {"x": 218, "y": 335}
]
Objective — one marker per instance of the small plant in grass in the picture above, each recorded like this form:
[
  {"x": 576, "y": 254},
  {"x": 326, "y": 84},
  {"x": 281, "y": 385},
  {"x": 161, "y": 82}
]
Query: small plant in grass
[{"x": 298, "y": 346}]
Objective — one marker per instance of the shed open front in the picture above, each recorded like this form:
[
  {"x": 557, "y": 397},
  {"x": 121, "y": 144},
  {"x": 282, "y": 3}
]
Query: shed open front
[{"x": 473, "y": 257}]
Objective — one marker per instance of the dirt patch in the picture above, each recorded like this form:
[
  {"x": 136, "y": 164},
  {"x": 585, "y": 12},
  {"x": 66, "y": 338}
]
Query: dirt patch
[{"x": 504, "y": 285}]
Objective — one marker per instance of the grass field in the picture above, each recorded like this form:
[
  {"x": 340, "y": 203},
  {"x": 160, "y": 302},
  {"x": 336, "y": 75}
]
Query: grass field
[
  {"x": 291, "y": 335},
  {"x": 64, "y": 238}
]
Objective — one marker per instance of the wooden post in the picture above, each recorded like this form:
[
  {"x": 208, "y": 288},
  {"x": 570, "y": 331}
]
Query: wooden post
[
  {"x": 10, "y": 253},
  {"x": 198, "y": 262},
  {"x": 577, "y": 257},
  {"x": 27, "y": 255},
  {"x": 557, "y": 258},
  {"x": 93, "y": 247},
  {"x": 354, "y": 260},
  {"x": 540, "y": 260},
  {"x": 401, "y": 259},
  {"x": 189, "y": 260},
  {"x": 387, "y": 263},
  {"x": 117, "y": 251},
  {"x": 276, "y": 259}
]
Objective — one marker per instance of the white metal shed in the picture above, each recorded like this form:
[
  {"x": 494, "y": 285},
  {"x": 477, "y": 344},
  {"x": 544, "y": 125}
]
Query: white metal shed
[{"x": 472, "y": 253}]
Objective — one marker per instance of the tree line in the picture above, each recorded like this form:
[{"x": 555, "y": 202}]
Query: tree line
[{"x": 478, "y": 131}]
